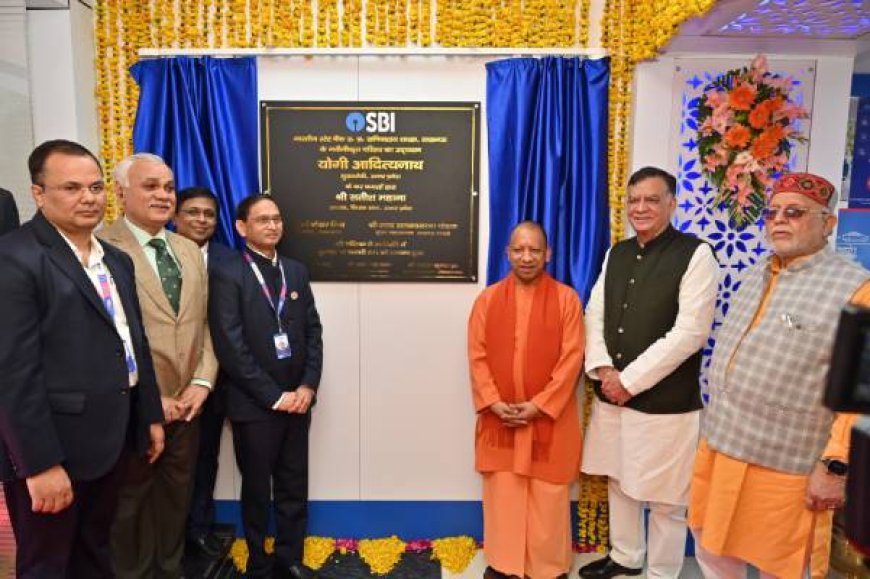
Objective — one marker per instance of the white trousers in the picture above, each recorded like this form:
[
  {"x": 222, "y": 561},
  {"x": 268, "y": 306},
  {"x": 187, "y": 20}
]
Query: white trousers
[
  {"x": 667, "y": 534},
  {"x": 724, "y": 567}
]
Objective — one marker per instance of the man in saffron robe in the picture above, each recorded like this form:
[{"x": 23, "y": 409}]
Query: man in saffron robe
[
  {"x": 771, "y": 461},
  {"x": 525, "y": 349}
]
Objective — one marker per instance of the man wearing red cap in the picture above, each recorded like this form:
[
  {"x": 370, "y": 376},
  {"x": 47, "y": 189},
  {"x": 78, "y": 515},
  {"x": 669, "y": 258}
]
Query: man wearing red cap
[{"x": 772, "y": 458}]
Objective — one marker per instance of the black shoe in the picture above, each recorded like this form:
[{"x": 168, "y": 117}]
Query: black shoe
[
  {"x": 207, "y": 545},
  {"x": 491, "y": 573},
  {"x": 605, "y": 569},
  {"x": 297, "y": 571}
]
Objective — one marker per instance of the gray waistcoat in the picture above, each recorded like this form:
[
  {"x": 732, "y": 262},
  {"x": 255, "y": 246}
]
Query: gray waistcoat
[{"x": 765, "y": 405}]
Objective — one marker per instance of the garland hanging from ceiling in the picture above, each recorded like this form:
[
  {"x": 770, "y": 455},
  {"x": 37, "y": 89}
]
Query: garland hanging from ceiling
[{"x": 125, "y": 26}]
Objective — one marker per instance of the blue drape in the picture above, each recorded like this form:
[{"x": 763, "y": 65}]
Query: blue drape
[
  {"x": 547, "y": 124},
  {"x": 200, "y": 115}
]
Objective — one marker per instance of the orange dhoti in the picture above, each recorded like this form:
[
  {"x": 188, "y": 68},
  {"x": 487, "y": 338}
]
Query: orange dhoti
[
  {"x": 526, "y": 526},
  {"x": 751, "y": 513}
]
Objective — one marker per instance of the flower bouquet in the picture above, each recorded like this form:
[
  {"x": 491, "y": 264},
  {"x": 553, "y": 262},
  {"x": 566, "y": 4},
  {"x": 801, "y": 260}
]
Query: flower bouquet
[{"x": 746, "y": 126}]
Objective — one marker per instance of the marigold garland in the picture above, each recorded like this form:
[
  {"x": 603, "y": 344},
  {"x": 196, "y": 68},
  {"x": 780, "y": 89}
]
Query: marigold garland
[
  {"x": 381, "y": 555},
  {"x": 317, "y": 551},
  {"x": 454, "y": 553}
]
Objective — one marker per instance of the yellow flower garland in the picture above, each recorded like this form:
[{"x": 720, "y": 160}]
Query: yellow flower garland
[
  {"x": 454, "y": 553},
  {"x": 381, "y": 555},
  {"x": 317, "y": 551}
]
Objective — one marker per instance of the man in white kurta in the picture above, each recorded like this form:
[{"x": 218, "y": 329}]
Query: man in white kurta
[{"x": 648, "y": 317}]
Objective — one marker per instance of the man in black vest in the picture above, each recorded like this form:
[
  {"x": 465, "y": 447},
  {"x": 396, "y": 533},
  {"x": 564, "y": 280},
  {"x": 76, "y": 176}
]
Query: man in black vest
[{"x": 649, "y": 315}]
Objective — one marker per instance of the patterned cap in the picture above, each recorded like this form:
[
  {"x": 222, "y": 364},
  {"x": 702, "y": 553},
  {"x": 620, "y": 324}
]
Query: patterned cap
[{"x": 816, "y": 188}]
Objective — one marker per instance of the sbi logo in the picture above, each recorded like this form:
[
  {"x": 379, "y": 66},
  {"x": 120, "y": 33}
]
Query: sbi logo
[{"x": 373, "y": 122}]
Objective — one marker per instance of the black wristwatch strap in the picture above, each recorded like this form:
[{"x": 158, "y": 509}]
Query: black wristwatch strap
[{"x": 836, "y": 467}]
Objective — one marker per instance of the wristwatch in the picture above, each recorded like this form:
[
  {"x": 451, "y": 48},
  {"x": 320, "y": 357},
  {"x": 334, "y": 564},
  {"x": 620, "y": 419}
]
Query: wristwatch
[{"x": 835, "y": 467}]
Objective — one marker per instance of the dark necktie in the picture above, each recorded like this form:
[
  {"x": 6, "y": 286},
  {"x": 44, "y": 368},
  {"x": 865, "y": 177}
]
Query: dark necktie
[{"x": 170, "y": 275}]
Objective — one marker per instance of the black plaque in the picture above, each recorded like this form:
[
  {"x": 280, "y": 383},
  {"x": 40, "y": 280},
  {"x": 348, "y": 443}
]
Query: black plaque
[{"x": 375, "y": 191}]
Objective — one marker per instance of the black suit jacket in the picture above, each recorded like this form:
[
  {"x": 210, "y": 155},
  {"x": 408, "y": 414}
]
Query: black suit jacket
[
  {"x": 218, "y": 253},
  {"x": 8, "y": 212},
  {"x": 243, "y": 326},
  {"x": 64, "y": 387}
]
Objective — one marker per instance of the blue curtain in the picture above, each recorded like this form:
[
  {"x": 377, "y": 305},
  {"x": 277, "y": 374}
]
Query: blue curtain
[
  {"x": 547, "y": 124},
  {"x": 200, "y": 115}
]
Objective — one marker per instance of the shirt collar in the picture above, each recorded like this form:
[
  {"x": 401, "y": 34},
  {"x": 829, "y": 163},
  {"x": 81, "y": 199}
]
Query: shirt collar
[
  {"x": 96, "y": 255},
  {"x": 143, "y": 237}
]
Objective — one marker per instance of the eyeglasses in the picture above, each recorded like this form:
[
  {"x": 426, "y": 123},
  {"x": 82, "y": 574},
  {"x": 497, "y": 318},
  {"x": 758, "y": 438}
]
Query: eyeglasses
[
  {"x": 73, "y": 188},
  {"x": 266, "y": 220},
  {"x": 790, "y": 213},
  {"x": 194, "y": 213}
]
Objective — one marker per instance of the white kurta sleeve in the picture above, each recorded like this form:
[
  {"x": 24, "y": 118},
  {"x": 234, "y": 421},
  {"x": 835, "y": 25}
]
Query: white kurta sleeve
[
  {"x": 596, "y": 349},
  {"x": 697, "y": 305}
]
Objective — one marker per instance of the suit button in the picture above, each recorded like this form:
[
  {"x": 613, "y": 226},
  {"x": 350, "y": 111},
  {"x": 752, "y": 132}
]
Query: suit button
[
  {"x": 625, "y": 306},
  {"x": 619, "y": 356},
  {"x": 631, "y": 281},
  {"x": 639, "y": 257},
  {"x": 620, "y": 330}
]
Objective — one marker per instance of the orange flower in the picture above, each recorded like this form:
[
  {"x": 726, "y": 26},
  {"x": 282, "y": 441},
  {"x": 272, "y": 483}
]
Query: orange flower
[
  {"x": 774, "y": 104},
  {"x": 737, "y": 136},
  {"x": 766, "y": 144},
  {"x": 760, "y": 115},
  {"x": 774, "y": 132},
  {"x": 741, "y": 97}
]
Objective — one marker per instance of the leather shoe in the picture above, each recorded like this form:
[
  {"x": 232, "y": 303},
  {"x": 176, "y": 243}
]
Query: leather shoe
[
  {"x": 300, "y": 571},
  {"x": 491, "y": 573},
  {"x": 207, "y": 545},
  {"x": 605, "y": 569}
]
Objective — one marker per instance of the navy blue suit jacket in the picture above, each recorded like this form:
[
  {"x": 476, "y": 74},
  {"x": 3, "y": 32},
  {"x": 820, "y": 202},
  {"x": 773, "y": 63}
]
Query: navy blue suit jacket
[
  {"x": 8, "y": 212},
  {"x": 64, "y": 386},
  {"x": 218, "y": 253},
  {"x": 243, "y": 326}
]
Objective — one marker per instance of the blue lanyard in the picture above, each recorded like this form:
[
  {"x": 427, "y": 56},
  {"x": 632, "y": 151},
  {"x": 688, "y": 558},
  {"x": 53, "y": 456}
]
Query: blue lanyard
[
  {"x": 282, "y": 295},
  {"x": 105, "y": 291}
]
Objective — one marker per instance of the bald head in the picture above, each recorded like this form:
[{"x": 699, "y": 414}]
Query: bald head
[{"x": 532, "y": 227}]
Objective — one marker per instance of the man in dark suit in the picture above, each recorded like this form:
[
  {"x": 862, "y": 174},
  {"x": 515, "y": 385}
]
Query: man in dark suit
[
  {"x": 8, "y": 212},
  {"x": 267, "y": 337},
  {"x": 78, "y": 386},
  {"x": 196, "y": 217}
]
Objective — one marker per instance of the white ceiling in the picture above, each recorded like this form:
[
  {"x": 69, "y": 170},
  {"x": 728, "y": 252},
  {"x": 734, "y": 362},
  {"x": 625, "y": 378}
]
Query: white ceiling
[{"x": 808, "y": 26}]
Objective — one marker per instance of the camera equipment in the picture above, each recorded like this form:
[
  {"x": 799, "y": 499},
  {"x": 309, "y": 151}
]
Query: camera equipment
[{"x": 848, "y": 390}]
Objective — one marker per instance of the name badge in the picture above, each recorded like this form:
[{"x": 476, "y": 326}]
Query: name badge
[{"x": 282, "y": 345}]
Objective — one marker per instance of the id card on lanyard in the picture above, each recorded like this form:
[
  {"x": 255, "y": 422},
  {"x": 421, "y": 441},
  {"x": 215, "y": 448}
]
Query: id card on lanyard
[
  {"x": 109, "y": 304},
  {"x": 281, "y": 339}
]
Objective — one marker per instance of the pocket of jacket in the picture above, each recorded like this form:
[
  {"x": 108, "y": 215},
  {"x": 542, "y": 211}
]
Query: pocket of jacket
[{"x": 67, "y": 402}]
